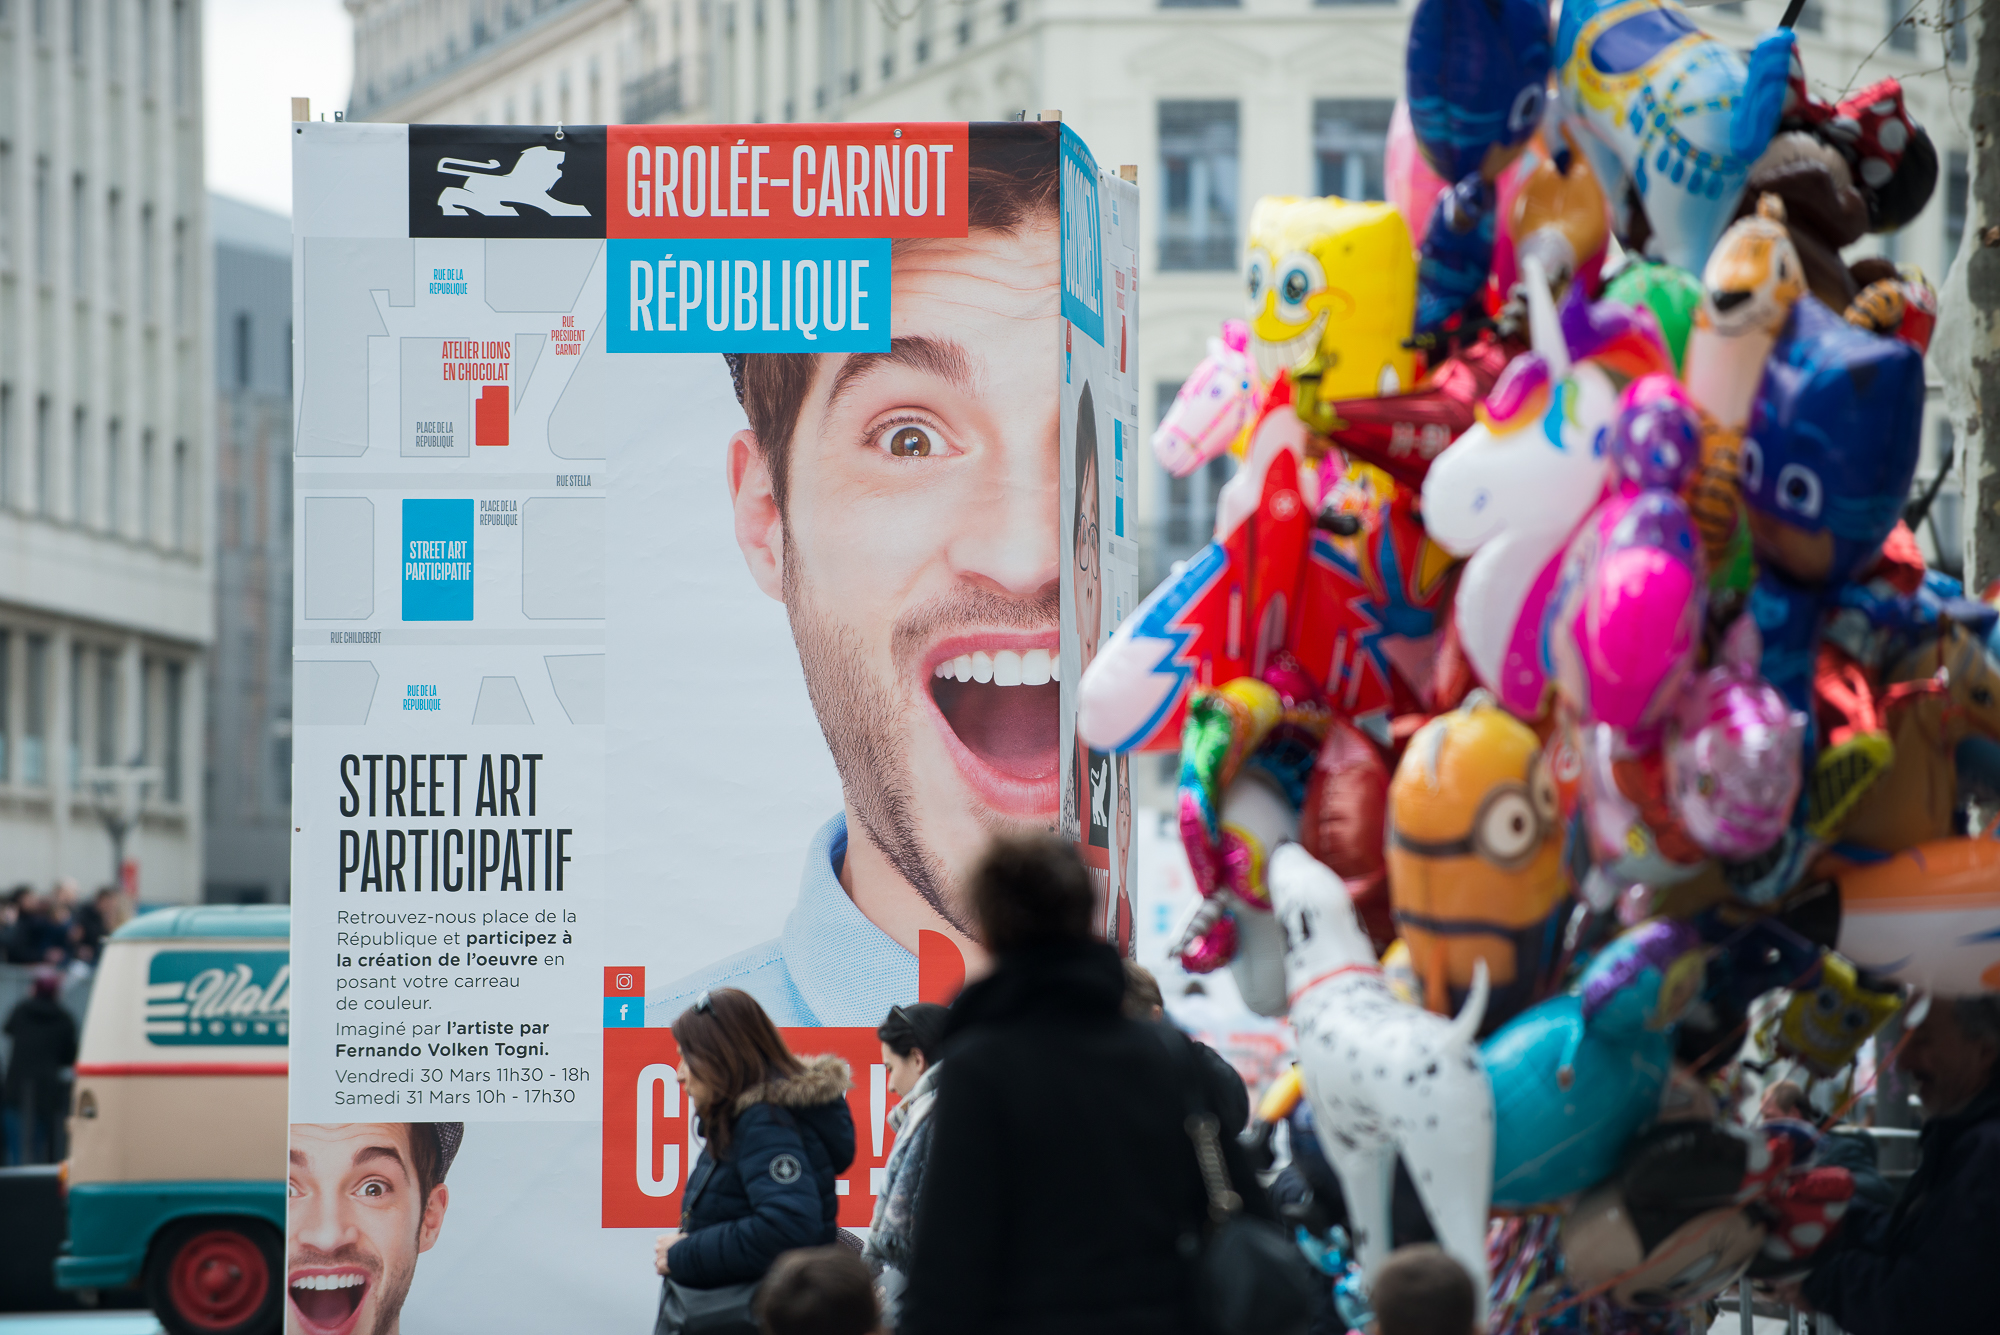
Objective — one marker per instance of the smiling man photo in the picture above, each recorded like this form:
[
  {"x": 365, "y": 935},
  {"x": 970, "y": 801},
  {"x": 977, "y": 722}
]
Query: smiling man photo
[
  {"x": 364, "y": 1199},
  {"x": 904, "y": 506}
]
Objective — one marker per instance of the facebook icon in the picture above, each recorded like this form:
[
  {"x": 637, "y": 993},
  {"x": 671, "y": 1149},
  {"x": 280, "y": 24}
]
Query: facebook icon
[{"x": 624, "y": 1012}]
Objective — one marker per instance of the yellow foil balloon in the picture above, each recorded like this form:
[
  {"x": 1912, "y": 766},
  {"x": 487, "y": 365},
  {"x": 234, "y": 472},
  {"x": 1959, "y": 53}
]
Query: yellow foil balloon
[{"x": 1333, "y": 295}]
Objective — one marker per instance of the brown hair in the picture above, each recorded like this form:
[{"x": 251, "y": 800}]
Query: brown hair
[
  {"x": 817, "y": 1291},
  {"x": 1031, "y": 890},
  {"x": 1423, "y": 1291},
  {"x": 728, "y": 1038},
  {"x": 1013, "y": 180},
  {"x": 1142, "y": 992}
]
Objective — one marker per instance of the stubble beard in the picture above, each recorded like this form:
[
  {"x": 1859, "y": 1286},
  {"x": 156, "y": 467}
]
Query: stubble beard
[{"x": 869, "y": 724}]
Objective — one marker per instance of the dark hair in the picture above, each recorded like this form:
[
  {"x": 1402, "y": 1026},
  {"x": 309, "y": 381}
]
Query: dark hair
[
  {"x": 433, "y": 1145},
  {"x": 1086, "y": 456},
  {"x": 817, "y": 1291},
  {"x": 1013, "y": 180},
  {"x": 1978, "y": 1019},
  {"x": 1422, "y": 1291},
  {"x": 1031, "y": 890},
  {"x": 915, "y": 1028},
  {"x": 736, "y": 1048},
  {"x": 1142, "y": 992}
]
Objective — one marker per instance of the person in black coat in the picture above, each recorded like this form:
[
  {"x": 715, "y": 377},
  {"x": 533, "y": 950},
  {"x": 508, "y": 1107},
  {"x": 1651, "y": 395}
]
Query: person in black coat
[
  {"x": 1927, "y": 1264},
  {"x": 778, "y": 1132},
  {"x": 37, "y": 1087},
  {"x": 1063, "y": 1193}
]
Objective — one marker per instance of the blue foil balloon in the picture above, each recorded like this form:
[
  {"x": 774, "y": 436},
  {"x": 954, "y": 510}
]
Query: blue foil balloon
[
  {"x": 1477, "y": 74},
  {"x": 1575, "y": 1077}
]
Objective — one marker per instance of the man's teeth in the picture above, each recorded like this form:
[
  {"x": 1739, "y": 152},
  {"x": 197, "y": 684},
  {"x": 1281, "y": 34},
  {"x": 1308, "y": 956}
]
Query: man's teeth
[
  {"x": 1036, "y": 667},
  {"x": 346, "y": 1281}
]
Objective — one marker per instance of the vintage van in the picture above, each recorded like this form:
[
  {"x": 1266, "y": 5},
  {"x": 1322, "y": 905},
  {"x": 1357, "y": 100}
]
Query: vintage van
[{"x": 176, "y": 1174}]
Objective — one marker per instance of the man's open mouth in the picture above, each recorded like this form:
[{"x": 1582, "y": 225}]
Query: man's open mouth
[
  {"x": 998, "y": 699},
  {"x": 328, "y": 1300}
]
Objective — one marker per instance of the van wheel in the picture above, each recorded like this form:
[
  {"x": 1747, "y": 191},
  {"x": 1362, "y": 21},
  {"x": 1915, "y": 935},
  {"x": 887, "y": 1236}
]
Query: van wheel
[{"x": 211, "y": 1277}]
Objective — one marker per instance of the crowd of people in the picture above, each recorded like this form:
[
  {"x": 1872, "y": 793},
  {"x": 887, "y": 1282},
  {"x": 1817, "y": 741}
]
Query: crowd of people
[
  {"x": 57, "y": 936},
  {"x": 1048, "y": 1175}
]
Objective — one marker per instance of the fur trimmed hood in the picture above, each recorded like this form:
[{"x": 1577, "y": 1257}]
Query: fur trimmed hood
[{"x": 825, "y": 1079}]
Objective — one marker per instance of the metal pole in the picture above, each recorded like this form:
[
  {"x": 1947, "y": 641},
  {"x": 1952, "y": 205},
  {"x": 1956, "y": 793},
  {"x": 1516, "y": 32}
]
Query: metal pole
[{"x": 1744, "y": 1303}]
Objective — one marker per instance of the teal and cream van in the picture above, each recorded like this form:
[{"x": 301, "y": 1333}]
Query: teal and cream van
[{"x": 176, "y": 1174}]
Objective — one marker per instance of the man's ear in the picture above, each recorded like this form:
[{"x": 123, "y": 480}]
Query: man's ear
[
  {"x": 760, "y": 529},
  {"x": 433, "y": 1221}
]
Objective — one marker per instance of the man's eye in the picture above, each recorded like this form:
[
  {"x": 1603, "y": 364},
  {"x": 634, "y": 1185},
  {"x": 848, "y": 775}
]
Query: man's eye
[
  {"x": 373, "y": 1189},
  {"x": 910, "y": 441}
]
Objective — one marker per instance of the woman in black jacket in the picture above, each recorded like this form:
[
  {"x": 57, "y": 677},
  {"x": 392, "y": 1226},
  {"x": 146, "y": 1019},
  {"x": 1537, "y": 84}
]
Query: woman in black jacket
[
  {"x": 778, "y": 1133},
  {"x": 1062, "y": 1195}
]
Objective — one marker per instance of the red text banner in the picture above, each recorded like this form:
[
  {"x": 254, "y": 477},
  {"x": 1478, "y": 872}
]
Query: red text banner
[
  {"x": 786, "y": 181},
  {"x": 649, "y": 1141}
]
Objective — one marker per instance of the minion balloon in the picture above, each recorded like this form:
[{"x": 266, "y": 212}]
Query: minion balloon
[{"x": 1475, "y": 858}]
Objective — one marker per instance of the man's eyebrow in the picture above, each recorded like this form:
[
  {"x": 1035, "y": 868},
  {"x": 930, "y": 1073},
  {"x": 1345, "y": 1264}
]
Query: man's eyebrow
[
  {"x": 368, "y": 1153},
  {"x": 939, "y": 357}
]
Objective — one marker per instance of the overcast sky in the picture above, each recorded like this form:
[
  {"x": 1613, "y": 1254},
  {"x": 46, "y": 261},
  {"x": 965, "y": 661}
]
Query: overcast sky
[{"x": 259, "y": 55}]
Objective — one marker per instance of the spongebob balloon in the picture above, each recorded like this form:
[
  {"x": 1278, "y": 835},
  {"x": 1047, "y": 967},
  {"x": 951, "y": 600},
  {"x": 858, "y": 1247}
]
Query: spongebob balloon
[{"x": 1333, "y": 292}]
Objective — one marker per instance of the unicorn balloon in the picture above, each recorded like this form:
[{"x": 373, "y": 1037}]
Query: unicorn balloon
[
  {"x": 1213, "y": 406},
  {"x": 1512, "y": 490}
]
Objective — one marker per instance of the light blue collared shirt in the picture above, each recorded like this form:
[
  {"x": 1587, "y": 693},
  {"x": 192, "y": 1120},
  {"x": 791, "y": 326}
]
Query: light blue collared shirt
[{"x": 830, "y": 965}]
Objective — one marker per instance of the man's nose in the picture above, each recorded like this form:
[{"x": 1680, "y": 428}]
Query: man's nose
[
  {"x": 318, "y": 1222},
  {"x": 1008, "y": 535}
]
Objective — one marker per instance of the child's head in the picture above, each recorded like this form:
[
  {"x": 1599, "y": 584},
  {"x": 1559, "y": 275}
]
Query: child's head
[
  {"x": 1422, "y": 1291},
  {"x": 818, "y": 1291}
]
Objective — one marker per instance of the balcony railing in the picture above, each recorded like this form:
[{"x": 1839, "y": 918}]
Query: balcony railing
[{"x": 652, "y": 96}]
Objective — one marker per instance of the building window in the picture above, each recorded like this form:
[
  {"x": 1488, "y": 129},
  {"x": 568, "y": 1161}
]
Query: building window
[
  {"x": 35, "y": 713},
  {"x": 146, "y": 262},
  {"x": 1812, "y": 18},
  {"x": 180, "y": 496},
  {"x": 1198, "y": 158},
  {"x": 147, "y": 471},
  {"x": 6, "y": 705},
  {"x": 45, "y": 464},
  {"x": 170, "y": 754},
  {"x": 1956, "y": 44},
  {"x": 79, "y": 34},
  {"x": 146, "y": 47},
  {"x": 1902, "y": 28},
  {"x": 6, "y": 204},
  {"x": 181, "y": 260},
  {"x": 77, "y": 654},
  {"x": 43, "y": 230},
  {"x": 287, "y": 358},
  {"x": 107, "y": 707},
  {"x": 113, "y": 11},
  {"x": 183, "y": 55},
  {"x": 79, "y": 232},
  {"x": 114, "y": 255},
  {"x": 1348, "y": 135},
  {"x": 242, "y": 361},
  {"x": 114, "y": 468},
  {"x": 1187, "y": 519},
  {"x": 79, "y": 467},
  {"x": 1957, "y": 188},
  {"x": 7, "y": 446}
]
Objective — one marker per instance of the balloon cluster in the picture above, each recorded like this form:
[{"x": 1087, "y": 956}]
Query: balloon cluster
[{"x": 1562, "y": 606}]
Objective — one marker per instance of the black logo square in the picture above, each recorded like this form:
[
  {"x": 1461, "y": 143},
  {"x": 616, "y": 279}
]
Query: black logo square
[{"x": 506, "y": 180}]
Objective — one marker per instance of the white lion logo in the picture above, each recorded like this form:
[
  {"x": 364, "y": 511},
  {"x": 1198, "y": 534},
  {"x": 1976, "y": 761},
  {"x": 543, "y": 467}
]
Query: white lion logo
[{"x": 492, "y": 193}]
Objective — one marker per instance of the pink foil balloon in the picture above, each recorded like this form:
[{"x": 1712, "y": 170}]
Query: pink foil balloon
[
  {"x": 1406, "y": 178},
  {"x": 1732, "y": 751}
]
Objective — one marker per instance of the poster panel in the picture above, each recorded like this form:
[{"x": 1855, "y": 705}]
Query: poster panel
[{"x": 699, "y": 533}]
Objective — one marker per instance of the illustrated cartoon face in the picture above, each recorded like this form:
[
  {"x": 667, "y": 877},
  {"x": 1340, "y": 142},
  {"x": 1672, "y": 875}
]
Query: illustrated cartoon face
[
  {"x": 1753, "y": 277},
  {"x": 1475, "y": 854},
  {"x": 1332, "y": 285},
  {"x": 1826, "y": 1025}
]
